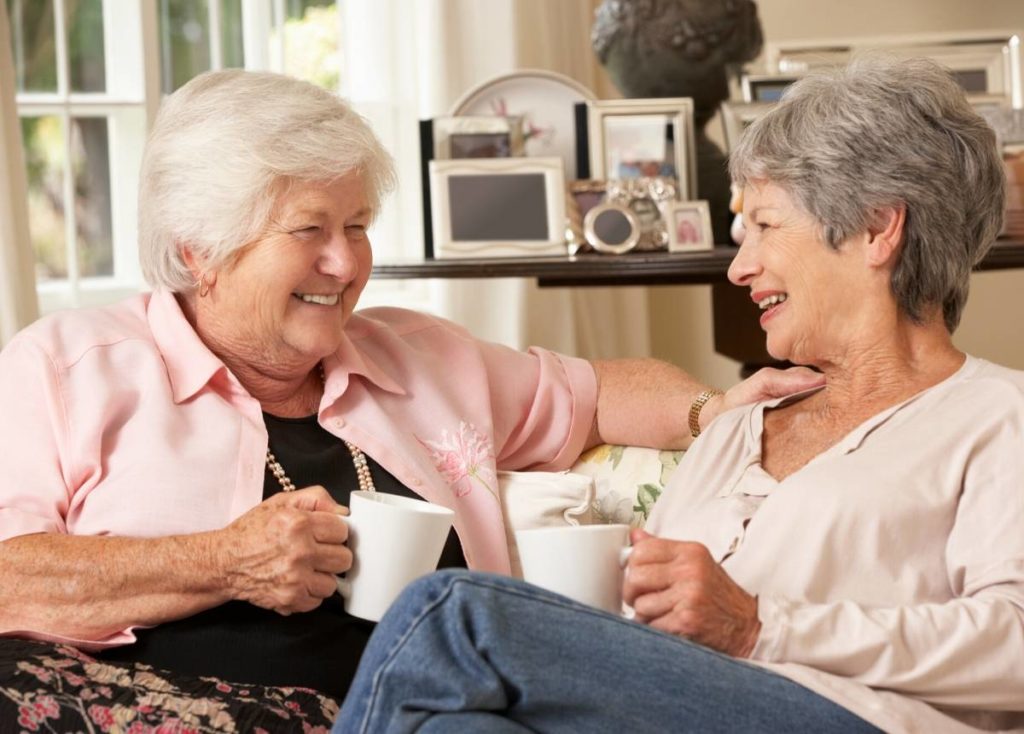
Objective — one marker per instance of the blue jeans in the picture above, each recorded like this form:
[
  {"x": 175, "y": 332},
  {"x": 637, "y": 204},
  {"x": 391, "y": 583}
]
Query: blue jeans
[{"x": 470, "y": 652}]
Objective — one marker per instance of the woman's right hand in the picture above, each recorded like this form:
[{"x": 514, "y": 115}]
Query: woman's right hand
[{"x": 284, "y": 553}]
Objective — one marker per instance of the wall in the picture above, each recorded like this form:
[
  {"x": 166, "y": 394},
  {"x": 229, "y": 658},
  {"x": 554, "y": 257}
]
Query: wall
[{"x": 681, "y": 316}]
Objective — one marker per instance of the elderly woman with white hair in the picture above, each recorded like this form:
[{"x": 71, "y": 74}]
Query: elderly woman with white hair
[
  {"x": 174, "y": 464},
  {"x": 845, "y": 558}
]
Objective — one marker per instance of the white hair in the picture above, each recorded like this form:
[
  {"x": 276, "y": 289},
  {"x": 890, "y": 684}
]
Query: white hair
[
  {"x": 880, "y": 133},
  {"x": 221, "y": 150}
]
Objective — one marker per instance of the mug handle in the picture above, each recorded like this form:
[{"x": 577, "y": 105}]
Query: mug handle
[
  {"x": 344, "y": 585},
  {"x": 624, "y": 555}
]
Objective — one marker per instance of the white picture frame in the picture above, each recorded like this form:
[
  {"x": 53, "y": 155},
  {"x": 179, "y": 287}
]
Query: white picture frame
[
  {"x": 983, "y": 61},
  {"x": 765, "y": 87},
  {"x": 736, "y": 116},
  {"x": 497, "y": 207},
  {"x": 637, "y": 121},
  {"x": 688, "y": 224}
]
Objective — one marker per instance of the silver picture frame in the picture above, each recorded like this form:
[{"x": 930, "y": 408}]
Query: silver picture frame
[{"x": 630, "y": 138}]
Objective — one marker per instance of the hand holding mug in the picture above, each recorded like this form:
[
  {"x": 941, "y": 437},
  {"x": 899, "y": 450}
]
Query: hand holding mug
[
  {"x": 677, "y": 587},
  {"x": 284, "y": 553}
]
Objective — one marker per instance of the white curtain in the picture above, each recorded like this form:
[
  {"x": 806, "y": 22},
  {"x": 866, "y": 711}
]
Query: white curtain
[
  {"x": 461, "y": 43},
  {"x": 18, "y": 303}
]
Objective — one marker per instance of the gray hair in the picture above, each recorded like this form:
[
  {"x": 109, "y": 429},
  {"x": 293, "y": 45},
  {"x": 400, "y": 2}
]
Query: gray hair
[
  {"x": 879, "y": 133},
  {"x": 221, "y": 150}
]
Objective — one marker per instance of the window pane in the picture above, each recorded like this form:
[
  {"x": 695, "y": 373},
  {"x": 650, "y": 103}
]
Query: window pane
[
  {"x": 90, "y": 162},
  {"x": 43, "y": 138},
  {"x": 232, "y": 49},
  {"x": 33, "y": 44},
  {"x": 311, "y": 42},
  {"x": 86, "y": 61},
  {"x": 184, "y": 41}
]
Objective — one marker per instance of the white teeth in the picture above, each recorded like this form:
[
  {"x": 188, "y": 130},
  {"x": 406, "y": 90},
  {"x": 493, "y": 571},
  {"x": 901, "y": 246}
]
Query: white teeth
[
  {"x": 770, "y": 301},
  {"x": 322, "y": 300}
]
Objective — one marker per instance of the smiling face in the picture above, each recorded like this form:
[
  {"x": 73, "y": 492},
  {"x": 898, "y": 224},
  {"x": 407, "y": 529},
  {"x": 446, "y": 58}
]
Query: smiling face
[
  {"x": 815, "y": 301},
  {"x": 281, "y": 304}
]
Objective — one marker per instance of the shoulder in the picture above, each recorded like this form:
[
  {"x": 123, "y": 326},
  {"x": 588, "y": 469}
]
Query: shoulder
[
  {"x": 988, "y": 386},
  {"x": 68, "y": 335},
  {"x": 385, "y": 322}
]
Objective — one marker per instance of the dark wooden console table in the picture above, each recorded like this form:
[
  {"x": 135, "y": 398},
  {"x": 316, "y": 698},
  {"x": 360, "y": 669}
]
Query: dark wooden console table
[
  {"x": 737, "y": 333},
  {"x": 652, "y": 268}
]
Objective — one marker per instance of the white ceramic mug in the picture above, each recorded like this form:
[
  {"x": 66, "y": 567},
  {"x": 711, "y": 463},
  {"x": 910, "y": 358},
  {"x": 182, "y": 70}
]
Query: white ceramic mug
[
  {"x": 584, "y": 563},
  {"x": 394, "y": 540}
]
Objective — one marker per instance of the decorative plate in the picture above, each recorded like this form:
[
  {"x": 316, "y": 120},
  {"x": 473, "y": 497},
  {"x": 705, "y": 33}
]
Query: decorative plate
[{"x": 545, "y": 99}]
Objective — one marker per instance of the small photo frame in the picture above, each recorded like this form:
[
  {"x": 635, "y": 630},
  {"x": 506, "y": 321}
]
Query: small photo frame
[
  {"x": 646, "y": 198},
  {"x": 737, "y": 117},
  {"x": 765, "y": 87},
  {"x": 581, "y": 197},
  {"x": 478, "y": 137},
  {"x": 689, "y": 226},
  {"x": 611, "y": 228},
  {"x": 497, "y": 207},
  {"x": 634, "y": 138}
]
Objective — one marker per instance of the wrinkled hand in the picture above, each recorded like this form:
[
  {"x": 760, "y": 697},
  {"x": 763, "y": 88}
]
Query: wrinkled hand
[
  {"x": 764, "y": 384},
  {"x": 678, "y": 588},
  {"x": 284, "y": 553}
]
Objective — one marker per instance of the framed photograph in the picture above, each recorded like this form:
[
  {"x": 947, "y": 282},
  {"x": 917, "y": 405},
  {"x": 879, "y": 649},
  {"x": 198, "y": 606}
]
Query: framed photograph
[
  {"x": 646, "y": 198},
  {"x": 981, "y": 61},
  {"x": 497, "y": 207},
  {"x": 581, "y": 197},
  {"x": 633, "y": 138},
  {"x": 478, "y": 137},
  {"x": 689, "y": 226},
  {"x": 765, "y": 87},
  {"x": 611, "y": 228},
  {"x": 545, "y": 101},
  {"x": 737, "y": 116}
]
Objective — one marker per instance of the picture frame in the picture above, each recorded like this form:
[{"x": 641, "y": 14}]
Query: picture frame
[
  {"x": 689, "y": 226},
  {"x": 546, "y": 102},
  {"x": 632, "y": 138},
  {"x": 646, "y": 197},
  {"x": 982, "y": 61},
  {"x": 581, "y": 197},
  {"x": 612, "y": 228},
  {"x": 478, "y": 137},
  {"x": 765, "y": 87},
  {"x": 737, "y": 116},
  {"x": 497, "y": 207}
]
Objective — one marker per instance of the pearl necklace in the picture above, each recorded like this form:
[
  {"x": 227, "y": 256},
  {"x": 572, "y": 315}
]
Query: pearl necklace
[{"x": 358, "y": 460}]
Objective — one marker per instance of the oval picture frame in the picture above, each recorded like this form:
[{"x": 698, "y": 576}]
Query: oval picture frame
[{"x": 594, "y": 239}]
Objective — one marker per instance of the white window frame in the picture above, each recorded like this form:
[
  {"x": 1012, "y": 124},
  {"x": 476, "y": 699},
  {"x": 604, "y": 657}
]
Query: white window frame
[{"x": 380, "y": 86}]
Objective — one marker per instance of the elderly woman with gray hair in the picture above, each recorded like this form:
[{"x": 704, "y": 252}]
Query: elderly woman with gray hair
[
  {"x": 840, "y": 559},
  {"x": 174, "y": 464}
]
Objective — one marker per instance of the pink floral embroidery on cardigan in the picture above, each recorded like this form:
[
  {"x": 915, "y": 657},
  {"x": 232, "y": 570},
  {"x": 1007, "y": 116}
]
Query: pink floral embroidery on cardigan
[{"x": 462, "y": 457}]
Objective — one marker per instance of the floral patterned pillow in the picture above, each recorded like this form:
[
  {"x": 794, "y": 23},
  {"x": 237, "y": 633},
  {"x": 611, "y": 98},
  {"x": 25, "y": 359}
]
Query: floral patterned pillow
[{"x": 628, "y": 480}]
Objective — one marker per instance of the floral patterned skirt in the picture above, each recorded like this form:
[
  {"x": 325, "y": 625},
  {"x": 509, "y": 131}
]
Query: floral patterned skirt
[{"x": 57, "y": 688}]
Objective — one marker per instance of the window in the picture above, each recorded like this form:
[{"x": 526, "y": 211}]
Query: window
[{"x": 90, "y": 75}]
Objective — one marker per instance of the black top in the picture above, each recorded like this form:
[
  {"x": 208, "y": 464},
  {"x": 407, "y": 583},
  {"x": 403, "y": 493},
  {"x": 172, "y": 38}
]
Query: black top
[{"x": 240, "y": 642}]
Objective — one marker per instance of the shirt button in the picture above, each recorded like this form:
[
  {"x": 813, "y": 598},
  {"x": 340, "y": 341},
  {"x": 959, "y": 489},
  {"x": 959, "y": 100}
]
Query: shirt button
[
  {"x": 338, "y": 422},
  {"x": 417, "y": 482}
]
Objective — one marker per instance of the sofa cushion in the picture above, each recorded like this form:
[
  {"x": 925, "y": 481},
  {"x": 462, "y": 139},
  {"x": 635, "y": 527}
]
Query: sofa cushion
[{"x": 628, "y": 480}]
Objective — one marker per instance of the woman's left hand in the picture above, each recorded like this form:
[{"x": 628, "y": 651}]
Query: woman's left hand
[{"x": 677, "y": 587}]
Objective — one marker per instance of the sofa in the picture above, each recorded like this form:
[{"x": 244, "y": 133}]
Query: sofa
[{"x": 48, "y": 687}]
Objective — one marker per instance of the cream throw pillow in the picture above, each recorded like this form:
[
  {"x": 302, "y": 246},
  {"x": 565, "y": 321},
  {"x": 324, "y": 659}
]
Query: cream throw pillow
[{"x": 535, "y": 499}]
